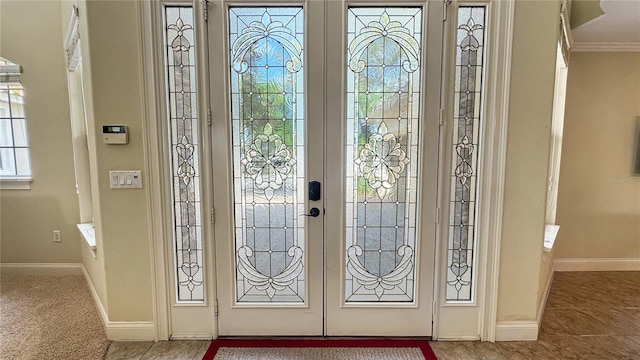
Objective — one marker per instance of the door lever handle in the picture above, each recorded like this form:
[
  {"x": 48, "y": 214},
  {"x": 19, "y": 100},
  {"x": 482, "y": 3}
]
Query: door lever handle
[{"x": 313, "y": 212}]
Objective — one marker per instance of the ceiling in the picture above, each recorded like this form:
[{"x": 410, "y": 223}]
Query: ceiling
[{"x": 606, "y": 21}]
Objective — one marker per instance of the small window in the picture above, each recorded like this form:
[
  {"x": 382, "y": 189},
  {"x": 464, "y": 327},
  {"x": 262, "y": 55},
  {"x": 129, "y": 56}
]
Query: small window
[{"x": 14, "y": 148}]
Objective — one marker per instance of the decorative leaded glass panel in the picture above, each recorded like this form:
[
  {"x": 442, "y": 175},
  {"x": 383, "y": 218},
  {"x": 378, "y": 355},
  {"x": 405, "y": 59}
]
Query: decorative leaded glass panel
[
  {"x": 383, "y": 118},
  {"x": 466, "y": 134},
  {"x": 267, "y": 114},
  {"x": 185, "y": 170}
]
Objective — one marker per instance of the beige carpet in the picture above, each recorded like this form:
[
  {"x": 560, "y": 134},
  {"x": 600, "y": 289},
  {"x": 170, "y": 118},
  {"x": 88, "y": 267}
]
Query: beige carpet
[
  {"x": 49, "y": 317},
  {"x": 226, "y": 353}
]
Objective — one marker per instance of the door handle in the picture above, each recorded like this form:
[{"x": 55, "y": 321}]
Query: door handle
[
  {"x": 315, "y": 190},
  {"x": 313, "y": 212}
]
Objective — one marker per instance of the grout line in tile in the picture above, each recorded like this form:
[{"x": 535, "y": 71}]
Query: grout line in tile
[
  {"x": 149, "y": 348},
  {"x": 198, "y": 352}
]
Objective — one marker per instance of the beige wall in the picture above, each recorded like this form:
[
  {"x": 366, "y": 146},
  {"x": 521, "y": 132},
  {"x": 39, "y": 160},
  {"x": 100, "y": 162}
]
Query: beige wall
[
  {"x": 28, "y": 217},
  {"x": 115, "y": 83},
  {"x": 530, "y": 109},
  {"x": 599, "y": 197}
]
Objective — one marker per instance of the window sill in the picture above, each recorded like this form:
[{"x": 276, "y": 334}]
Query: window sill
[
  {"x": 89, "y": 236},
  {"x": 550, "y": 235},
  {"x": 15, "y": 183}
]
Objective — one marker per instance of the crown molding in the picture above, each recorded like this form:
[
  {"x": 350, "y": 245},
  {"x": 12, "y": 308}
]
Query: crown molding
[{"x": 605, "y": 47}]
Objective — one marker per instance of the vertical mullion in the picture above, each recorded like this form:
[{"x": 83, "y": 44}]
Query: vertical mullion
[{"x": 12, "y": 135}]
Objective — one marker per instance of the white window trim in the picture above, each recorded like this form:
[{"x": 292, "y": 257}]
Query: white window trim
[
  {"x": 16, "y": 183},
  {"x": 89, "y": 235},
  {"x": 12, "y": 74}
]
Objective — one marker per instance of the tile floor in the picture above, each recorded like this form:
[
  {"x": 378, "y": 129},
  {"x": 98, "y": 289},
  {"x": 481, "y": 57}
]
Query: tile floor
[{"x": 589, "y": 315}]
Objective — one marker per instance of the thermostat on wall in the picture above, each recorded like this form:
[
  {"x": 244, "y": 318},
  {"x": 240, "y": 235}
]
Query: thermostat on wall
[{"x": 114, "y": 134}]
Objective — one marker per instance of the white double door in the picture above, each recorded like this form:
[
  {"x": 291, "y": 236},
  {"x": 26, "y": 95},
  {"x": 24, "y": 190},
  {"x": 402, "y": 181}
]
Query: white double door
[{"x": 345, "y": 94}]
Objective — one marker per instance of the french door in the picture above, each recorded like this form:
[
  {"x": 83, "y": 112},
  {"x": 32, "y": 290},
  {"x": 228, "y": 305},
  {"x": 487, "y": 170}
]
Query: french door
[{"x": 325, "y": 146}]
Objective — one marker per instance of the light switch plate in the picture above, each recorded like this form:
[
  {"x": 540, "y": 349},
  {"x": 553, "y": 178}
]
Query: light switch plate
[{"x": 125, "y": 179}]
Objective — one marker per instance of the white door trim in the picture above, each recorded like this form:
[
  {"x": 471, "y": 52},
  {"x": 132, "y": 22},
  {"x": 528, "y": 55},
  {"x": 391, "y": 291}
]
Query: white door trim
[
  {"x": 503, "y": 13},
  {"x": 491, "y": 182},
  {"x": 154, "y": 168}
]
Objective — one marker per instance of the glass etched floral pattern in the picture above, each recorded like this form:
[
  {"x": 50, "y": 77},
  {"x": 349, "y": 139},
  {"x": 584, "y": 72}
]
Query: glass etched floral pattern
[
  {"x": 383, "y": 118},
  {"x": 464, "y": 166},
  {"x": 184, "y": 136},
  {"x": 267, "y": 114}
]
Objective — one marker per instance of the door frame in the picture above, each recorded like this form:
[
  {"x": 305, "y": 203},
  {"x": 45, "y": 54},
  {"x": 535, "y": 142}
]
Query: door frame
[{"x": 490, "y": 195}]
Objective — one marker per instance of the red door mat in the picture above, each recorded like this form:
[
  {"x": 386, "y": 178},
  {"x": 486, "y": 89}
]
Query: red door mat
[{"x": 423, "y": 345}]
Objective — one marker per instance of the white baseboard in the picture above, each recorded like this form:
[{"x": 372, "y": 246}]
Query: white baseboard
[
  {"x": 605, "y": 47},
  {"x": 41, "y": 269},
  {"x": 192, "y": 336},
  {"x": 596, "y": 264},
  {"x": 130, "y": 331},
  {"x": 545, "y": 297},
  {"x": 459, "y": 338},
  {"x": 526, "y": 330},
  {"x": 121, "y": 330}
]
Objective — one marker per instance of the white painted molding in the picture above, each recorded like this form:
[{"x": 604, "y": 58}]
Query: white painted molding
[
  {"x": 96, "y": 299},
  {"x": 525, "y": 330},
  {"x": 605, "y": 47},
  {"x": 459, "y": 338},
  {"x": 191, "y": 336},
  {"x": 88, "y": 233},
  {"x": 596, "y": 264},
  {"x": 120, "y": 330},
  {"x": 15, "y": 183},
  {"x": 41, "y": 269},
  {"x": 492, "y": 233},
  {"x": 152, "y": 165},
  {"x": 543, "y": 301},
  {"x": 130, "y": 331}
]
